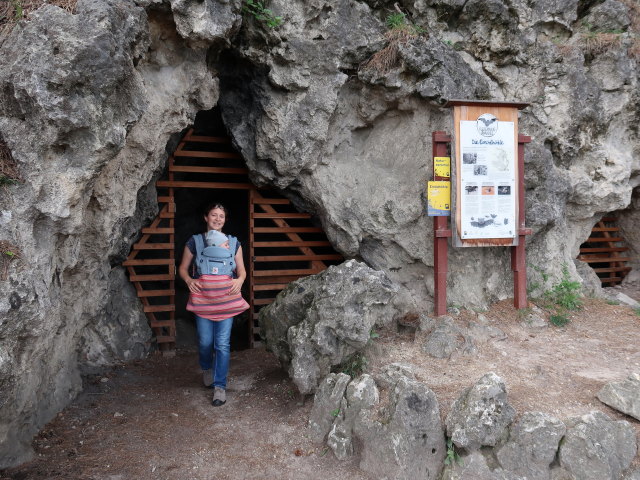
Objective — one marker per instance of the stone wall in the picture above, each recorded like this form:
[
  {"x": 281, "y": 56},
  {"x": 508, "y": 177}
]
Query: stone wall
[{"x": 89, "y": 101}]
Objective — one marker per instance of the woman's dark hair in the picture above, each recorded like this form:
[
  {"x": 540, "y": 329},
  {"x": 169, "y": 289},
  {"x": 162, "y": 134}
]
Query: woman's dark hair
[{"x": 213, "y": 205}]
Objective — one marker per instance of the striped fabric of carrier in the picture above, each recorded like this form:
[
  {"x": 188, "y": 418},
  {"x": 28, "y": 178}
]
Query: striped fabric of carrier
[{"x": 214, "y": 302}]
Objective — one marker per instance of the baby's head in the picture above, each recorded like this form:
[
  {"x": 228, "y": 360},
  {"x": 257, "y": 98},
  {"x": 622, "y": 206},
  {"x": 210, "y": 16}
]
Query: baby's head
[{"x": 217, "y": 239}]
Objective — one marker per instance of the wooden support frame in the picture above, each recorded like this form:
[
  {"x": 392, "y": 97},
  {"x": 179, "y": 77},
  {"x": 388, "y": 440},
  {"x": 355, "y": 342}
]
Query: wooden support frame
[
  {"x": 151, "y": 263},
  {"x": 440, "y": 142}
]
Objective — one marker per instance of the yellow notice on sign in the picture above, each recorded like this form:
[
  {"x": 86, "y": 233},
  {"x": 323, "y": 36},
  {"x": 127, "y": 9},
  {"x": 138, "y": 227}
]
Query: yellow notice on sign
[
  {"x": 442, "y": 167},
  {"x": 439, "y": 199}
]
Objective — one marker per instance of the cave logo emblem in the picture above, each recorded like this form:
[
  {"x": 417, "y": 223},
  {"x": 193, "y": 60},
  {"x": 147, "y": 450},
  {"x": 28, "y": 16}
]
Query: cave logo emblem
[{"x": 487, "y": 125}]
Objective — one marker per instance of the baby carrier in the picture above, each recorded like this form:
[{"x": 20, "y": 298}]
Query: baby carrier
[{"x": 215, "y": 260}]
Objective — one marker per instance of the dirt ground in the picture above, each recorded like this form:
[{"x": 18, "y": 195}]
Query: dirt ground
[{"x": 152, "y": 419}]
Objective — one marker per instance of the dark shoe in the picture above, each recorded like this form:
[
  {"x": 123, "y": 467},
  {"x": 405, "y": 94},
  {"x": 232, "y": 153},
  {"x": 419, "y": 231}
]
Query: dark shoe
[{"x": 219, "y": 397}]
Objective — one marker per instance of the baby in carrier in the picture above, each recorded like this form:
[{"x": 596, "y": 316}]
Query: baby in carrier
[{"x": 217, "y": 257}]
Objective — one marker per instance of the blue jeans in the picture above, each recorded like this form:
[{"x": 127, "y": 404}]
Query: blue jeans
[{"x": 215, "y": 337}]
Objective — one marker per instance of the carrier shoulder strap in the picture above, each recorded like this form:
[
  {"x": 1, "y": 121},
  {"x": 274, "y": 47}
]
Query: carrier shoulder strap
[
  {"x": 199, "y": 245},
  {"x": 233, "y": 242}
]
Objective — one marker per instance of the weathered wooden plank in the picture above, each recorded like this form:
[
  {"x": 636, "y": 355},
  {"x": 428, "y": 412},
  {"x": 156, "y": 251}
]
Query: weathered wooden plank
[
  {"x": 165, "y": 339},
  {"x": 156, "y": 293},
  {"x": 148, "y": 261},
  {"x": 287, "y": 230},
  {"x": 310, "y": 243},
  {"x": 162, "y": 324},
  {"x": 164, "y": 231},
  {"x": 220, "y": 185},
  {"x": 603, "y": 249},
  {"x": 612, "y": 269},
  {"x": 605, "y": 229},
  {"x": 151, "y": 278},
  {"x": 282, "y": 215},
  {"x": 192, "y": 169},
  {"x": 270, "y": 286},
  {"x": 154, "y": 246},
  {"x": 603, "y": 239},
  {"x": 205, "y": 139},
  {"x": 610, "y": 279},
  {"x": 200, "y": 154},
  {"x": 589, "y": 259},
  {"x": 263, "y": 301},
  {"x": 296, "y": 258},
  {"x": 159, "y": 308},
  {"x": 273, "y": 273}
]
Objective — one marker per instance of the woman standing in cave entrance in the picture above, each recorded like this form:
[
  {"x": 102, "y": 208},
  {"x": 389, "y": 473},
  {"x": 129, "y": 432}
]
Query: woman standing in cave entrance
[{"x": 214, "y": 298}]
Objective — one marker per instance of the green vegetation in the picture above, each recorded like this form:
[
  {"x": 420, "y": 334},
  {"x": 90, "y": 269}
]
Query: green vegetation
[
  {"x": 260, "y": 12},
  {"x": 452, "y": 456},
  {"x": 335, "y": 412},
  {"x": 613, "y": 302},
  {"x": 399, "y": 22},
  {"x": 637, "y": 310},
  {"x": 8, "y": 253},
  {"x": 566, "y": 293},
  {"x": 355, "y": 365}
]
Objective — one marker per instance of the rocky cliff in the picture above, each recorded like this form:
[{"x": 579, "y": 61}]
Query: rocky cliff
[{"x": 90, "y": 100}]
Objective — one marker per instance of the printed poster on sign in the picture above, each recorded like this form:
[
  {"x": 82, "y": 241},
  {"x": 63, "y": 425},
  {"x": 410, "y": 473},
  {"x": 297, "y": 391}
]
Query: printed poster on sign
[
  {"x": 439, "y": 199},
  {"x": 487, "y": 178}
]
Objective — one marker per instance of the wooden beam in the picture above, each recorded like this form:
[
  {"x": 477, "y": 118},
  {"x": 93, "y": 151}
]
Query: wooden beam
[
  {"x": 589, "y": 259},
  {"x": 296, "y": 258},
  {"x": 612, "y": 269},
  {"x": 151, "y": 278},
  {"x": 603, "y": 239},
  {"x": 159, "y": 308},
  {"x": 199, "y": 154},
  {"x": 154, "y": 246},
  {"x": 273, "y": 273},
  {"x": 192, "y": 169},
  {"x": 282, "y": 215},
  {"x": 311, "y": 243},
  {"x": 287, "y": 230},
  {"x": 270, "y": 286},
  {"x": 149, "y": 261},
  {"x": 156, "y": 293},
  {"x": 603, "y": 249},
  {"x": 219, "y": 185},
  {"x": 156, "y": 231},
  {"x": 205, "y": 139}
]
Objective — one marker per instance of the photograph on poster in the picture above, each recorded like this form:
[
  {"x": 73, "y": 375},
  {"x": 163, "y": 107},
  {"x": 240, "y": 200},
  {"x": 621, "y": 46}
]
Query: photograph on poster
[{"x": 487, "y": 178}]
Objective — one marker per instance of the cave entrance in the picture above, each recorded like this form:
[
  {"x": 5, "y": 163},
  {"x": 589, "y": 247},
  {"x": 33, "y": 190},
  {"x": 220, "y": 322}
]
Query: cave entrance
[
  {"x": 280, "y": 244},
  {"x": 606, "y": 251}
]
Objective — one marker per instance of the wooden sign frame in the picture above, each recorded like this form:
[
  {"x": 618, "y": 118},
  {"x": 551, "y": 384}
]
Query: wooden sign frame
[{"x": 472, "y": 111}]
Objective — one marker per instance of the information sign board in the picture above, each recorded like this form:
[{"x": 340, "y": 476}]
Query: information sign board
[{"x": 439, "y": 199}]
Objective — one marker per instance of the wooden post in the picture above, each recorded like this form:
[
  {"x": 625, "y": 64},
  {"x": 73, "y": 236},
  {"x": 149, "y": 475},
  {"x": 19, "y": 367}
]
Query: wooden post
[
  {"x": 441, "y": 232},
  {"x": 518, "y": 256}
]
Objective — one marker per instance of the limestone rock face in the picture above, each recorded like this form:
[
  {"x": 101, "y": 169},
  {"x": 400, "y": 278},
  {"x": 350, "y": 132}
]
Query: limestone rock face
[
  {"x": 623, "y": 396},
  {"x": 329, "y": 325},
  {"x": 326, "y": 404},
  {"x": 360, "y": 394},
  {"x": 596, "y": 447},
  {"x": 87, "y": 104},
  {"x": 206, "y": 22},
  {"x": 410, "y": 442},
  {"x": 532, "y": 446},
  {"x": 481, "y": 415}
]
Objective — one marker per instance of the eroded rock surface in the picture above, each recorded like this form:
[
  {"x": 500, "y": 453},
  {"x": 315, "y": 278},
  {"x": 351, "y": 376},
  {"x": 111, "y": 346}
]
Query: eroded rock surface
[
  {"x": 597, "y": 447},
  {"x": 321, "y": 321},
  {"x": 481, "y": 415},
  {"x": 623, "y": 396}
]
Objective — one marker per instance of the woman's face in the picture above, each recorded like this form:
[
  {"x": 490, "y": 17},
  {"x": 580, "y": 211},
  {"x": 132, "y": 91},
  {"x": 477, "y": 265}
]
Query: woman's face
[{"x": 215, "y": 219}]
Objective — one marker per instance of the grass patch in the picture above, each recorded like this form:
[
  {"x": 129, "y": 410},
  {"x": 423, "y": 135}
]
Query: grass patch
[
  {"x": 401, "y": 30},
  {"x": 562, "y": 298},
  {"x": 8, "y": 253},
  {"x": 355, "y": 365},
  {"x": 261, "y": 13}
]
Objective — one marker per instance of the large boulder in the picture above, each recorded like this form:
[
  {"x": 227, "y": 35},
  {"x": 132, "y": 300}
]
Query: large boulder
[
  {"x": 326, "y": 404},
  {"x": 596, "y": 447},
  {"x": 362, "y": 393},
  {"x": 319, "y": 322},
  {"x": 406, "y": 440},
  {"x": 532, "y": 446},
  {"x": 481, "y": 416},
  {"x": 623, "y": 396}
]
